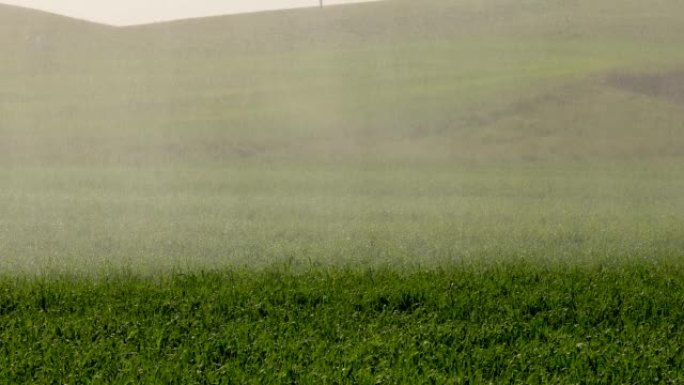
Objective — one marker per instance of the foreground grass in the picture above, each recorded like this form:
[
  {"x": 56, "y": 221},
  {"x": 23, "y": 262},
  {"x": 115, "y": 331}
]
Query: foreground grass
[{"x": 505, "y": 323}]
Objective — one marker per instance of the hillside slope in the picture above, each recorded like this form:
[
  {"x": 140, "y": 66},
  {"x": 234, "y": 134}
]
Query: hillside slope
[
  {"x": 390, "y": 79},
  {"x": 397, "y": 133}
]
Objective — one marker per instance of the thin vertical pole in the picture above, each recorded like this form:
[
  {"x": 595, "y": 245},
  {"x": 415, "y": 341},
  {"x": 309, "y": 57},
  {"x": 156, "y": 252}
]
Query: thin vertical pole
[{"x": 321, "y": 1}]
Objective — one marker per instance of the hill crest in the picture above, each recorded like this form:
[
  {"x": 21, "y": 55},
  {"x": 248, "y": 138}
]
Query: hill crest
[{"x": 16, "y": 9}]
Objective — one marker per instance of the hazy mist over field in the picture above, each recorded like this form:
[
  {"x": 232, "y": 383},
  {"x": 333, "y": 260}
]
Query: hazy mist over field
[
  {"x": 389, "y": 192},
  {"x": 396, "y": 133}
]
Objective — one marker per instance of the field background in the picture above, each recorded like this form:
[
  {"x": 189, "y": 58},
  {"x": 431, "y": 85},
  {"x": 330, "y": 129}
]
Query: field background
[{"x": 393, "y": 133}]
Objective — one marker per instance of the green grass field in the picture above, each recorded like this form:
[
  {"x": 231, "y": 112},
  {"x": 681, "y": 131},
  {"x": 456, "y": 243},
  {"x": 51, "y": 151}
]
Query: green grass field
[
  {"x": 391, "y": 192},
  {"x": 504, "y": 323}
]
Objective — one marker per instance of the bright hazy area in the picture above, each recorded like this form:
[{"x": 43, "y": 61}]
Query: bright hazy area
[{"x": 131, "y": 12}]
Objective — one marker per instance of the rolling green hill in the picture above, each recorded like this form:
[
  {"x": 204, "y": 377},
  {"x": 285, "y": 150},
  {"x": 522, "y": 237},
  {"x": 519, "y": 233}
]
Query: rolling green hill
[
  {"x": 397, "y": 131},
  {"x": 449, "y": 80}
]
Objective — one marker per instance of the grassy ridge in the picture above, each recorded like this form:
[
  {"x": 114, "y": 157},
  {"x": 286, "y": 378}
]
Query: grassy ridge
[
  {"x": 452, "y": 81},
  {"x": 505, "y": 323}
]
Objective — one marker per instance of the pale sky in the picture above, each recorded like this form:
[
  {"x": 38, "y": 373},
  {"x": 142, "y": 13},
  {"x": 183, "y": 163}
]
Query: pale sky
[{"x": 130, "y": 12}]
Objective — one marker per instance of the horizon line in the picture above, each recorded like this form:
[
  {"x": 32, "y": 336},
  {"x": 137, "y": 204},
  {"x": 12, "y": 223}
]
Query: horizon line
[{"x": 172, "y": 19}]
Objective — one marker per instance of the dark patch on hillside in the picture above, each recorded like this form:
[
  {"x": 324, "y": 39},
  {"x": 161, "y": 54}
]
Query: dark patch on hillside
[{"x": 668, "y": 85}]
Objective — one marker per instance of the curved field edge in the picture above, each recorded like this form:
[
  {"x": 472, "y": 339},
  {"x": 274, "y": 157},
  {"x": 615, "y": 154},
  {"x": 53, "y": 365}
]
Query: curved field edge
[{"x": 514, "y": 322}]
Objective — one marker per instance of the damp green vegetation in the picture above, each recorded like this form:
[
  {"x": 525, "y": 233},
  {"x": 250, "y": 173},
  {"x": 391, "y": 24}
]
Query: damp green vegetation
[
  {"x": 89, "y": 219},
  {"x": 392, "y": 192},
  {"x": 510, "y": 322}
]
